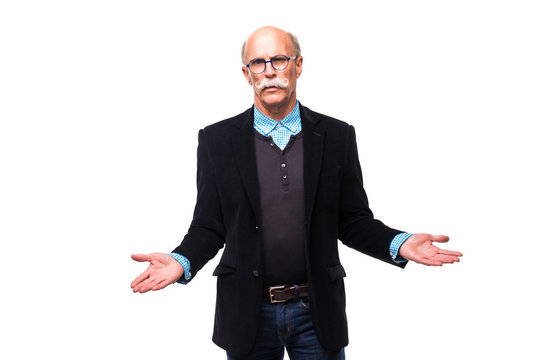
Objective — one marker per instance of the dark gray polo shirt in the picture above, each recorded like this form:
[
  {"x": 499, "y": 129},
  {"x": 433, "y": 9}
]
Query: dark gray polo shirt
[{"x": 281, "y": 185}]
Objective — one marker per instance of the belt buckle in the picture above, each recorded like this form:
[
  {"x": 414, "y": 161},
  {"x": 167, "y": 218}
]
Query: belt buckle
[{"x": 281, "y": 287}]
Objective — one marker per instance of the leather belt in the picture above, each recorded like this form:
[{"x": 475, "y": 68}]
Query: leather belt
[{"x": 283, "y": 293}]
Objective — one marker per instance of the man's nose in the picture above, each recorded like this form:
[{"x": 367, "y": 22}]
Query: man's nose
[{"x": 269, "y": 71}]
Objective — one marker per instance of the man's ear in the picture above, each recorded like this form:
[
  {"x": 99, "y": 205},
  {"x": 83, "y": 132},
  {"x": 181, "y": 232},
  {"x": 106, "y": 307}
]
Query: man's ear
[
  {"x": 246, "y": 73},
  {"x": 299, "y": 62}
]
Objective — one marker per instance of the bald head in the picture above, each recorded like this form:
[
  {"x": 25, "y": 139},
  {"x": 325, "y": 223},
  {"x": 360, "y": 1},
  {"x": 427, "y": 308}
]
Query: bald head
[{"x": 270, "y": 31}]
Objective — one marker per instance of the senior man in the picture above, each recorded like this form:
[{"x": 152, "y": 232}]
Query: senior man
[{"x": 278, "y": 185}]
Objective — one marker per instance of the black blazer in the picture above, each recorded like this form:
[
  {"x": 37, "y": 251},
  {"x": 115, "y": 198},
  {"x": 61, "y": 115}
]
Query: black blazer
[{"x": 227, "y": 213}]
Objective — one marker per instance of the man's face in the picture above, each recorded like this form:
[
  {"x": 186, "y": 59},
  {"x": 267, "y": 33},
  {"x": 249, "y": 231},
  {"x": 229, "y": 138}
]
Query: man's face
[{"x": 266, "y": 44}]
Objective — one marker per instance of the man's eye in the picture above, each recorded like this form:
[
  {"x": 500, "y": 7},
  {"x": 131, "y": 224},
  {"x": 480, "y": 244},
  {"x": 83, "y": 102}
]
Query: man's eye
[
  {"x": 257, "y": 62},
  {"x": 279, "y": 62}
]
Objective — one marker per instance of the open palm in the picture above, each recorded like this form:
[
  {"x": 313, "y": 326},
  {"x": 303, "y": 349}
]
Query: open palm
[
  {"x": 162, "y": 271},
  {"x": 419, "y": 248}
]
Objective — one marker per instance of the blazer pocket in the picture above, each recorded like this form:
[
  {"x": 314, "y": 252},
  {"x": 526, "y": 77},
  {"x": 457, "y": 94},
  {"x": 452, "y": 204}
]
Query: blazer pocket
[
  {"x": 223, "y": 269},
  {"x": 336, "y": 272}
]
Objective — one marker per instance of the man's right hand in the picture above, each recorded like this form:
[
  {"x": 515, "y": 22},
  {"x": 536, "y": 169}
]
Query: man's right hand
[{"x": 162, "y": 271}]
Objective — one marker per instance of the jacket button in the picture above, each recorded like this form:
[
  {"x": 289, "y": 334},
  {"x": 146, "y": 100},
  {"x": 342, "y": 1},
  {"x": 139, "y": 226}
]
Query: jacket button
[
  {"x": 255, "y": 273},
  {"x": 256, "y": 227}
]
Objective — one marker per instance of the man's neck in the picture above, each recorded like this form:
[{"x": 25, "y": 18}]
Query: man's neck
[{"x": 278, "y": 112}]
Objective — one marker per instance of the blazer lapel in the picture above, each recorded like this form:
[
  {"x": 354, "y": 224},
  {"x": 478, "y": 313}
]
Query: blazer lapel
[
  {"x": 244, "y": 152},
  {"x": 313, "y": 136}
]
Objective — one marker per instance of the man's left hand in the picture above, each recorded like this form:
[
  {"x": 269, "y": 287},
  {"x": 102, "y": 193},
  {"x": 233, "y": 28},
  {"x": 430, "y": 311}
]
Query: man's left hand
[{"x": 420, "y": 249}]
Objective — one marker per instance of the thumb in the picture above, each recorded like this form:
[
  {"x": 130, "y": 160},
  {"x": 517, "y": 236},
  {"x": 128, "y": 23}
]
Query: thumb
[
  {"x": 440, "y": 238},
  {"x": 141, "y": 257}
]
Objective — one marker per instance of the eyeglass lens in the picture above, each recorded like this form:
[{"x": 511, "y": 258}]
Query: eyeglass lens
[{"x": 279, "y": 63}]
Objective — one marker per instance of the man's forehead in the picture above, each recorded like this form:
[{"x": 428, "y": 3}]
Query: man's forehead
[{"x": 268, "y": 43}]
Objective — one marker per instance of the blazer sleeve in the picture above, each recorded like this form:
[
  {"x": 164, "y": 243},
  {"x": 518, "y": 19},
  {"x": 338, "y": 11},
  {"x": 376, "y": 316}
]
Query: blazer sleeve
[
  {"x": 358, "y": 228},
  {"x": 206, "y": 234}
]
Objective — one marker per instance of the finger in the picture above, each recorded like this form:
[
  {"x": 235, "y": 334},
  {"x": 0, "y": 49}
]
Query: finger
[
  {"x": 140, "y": 278},
  {"x": 141, "y": 257},
  {"x": 160, "y": 285},
  {"x": 440, "y": 238},
  {"x": 145, "y": 286},
  {"x": 450, "y": 252},
  {"x": 142, "y": 289},
  {"x": 445, "y": 259},
  {"x": 428, "y": 262}
]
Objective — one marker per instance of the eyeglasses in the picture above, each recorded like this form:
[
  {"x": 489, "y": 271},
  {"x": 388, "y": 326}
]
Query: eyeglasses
[{"x": 279, "y": 63}]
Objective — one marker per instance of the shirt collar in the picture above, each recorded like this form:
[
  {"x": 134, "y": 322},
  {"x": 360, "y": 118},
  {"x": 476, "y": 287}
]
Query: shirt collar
[{"x": 265, "y": 125}]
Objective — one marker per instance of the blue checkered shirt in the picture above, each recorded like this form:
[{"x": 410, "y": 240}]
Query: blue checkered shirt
[{"x": 281, "y": 131}]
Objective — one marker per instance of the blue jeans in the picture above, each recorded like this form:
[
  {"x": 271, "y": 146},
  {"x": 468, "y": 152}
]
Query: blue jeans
[{"x": 287, "y": 325}]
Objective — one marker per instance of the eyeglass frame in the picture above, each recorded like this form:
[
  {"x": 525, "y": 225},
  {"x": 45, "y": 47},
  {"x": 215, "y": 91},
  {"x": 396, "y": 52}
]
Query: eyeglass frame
[{"x": 270, "y": 61}]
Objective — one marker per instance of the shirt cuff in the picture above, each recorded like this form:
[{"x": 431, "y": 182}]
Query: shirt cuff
[
  {"x": 396, "y": 243},
  {"x": 185, "y": 264}
]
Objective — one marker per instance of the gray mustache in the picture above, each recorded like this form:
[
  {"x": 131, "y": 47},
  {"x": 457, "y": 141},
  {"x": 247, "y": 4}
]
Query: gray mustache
[{"x": 274, "y": 82}]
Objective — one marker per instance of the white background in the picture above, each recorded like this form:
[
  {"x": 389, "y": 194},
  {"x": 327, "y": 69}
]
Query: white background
[{"x": 100, "y": 104}]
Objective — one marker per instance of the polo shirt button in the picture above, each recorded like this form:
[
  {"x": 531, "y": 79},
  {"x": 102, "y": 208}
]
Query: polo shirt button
[
  {"x": 255, "y": 273},
  {"x": 283, "y": 165},
  {"x": 284, "y": 176},
  {"x": 271, "y": 144}
]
